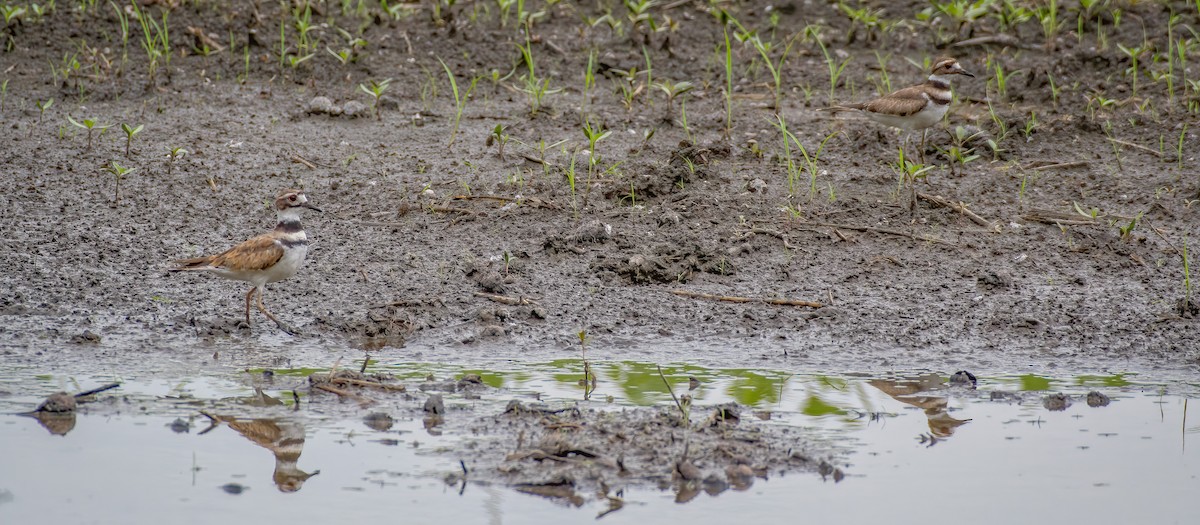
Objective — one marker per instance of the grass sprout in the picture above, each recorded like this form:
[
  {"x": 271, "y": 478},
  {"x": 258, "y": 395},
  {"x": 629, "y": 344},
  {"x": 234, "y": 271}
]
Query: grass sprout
[{"x": 460, "y": 99}]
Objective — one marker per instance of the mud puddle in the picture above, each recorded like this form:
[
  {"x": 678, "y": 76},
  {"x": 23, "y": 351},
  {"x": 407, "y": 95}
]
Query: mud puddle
[{"x": 1094, "y": 448}]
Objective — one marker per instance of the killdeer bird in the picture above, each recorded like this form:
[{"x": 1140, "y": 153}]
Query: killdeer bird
[
  {"x": 267, "y": 258},
  {"x": 915, "y": 107}
]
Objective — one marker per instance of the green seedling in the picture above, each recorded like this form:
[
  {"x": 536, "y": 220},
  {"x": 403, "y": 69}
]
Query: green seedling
[
  {"x": 90, "y": 125},
  {"x": 155, "y": 40},
  {"x": 1134, "y": 54},
  {"x": 123, "y": 21},
  {"x": 376, "y": 90},
  {"x": 1127, "y": 230},
  {"x": 835, "y": 69},
  {"x": 909, "y": 172},
  {"x": 42, "y": 106},
  {"x": 1048, "y": 16},
  {"x": 129, "y": 133},
  {"x": 176, "y": 153},
  {"x": 500, "y": 137},
  {"x": 3, "y": 95},
  {"x": 12, "y": 13},
  {"x": 536, "y": 88},
  {"x": 1090, "y": 213},
  {"x": 460, "y": 99},
  {"x": 119, "y": 172},
  {"x": 764, "y": 50},
  {"x": 1179, "y": 149},
  {"x": 589, "y": 80},
  {"x": 811, "y": 160}
]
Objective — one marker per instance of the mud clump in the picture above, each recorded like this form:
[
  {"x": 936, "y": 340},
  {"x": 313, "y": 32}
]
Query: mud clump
[
  {"x": 667, "y": 263},
  {"x": 566, "y": 453}
]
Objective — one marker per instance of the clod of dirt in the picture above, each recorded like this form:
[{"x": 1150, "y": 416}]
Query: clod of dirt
[
  {"x": 179, "y": 426},
  {"x": 321, "y": 106},
  {"x": 488, "y": 279},
  {"x": 379, "y": 421},
  {"x": 1056, "y": 402},
  {"x": 234, "y": 488},
  {"x": 963, "y": 378},
  {"x": 349, "y": 376},
  {"x": 995, "y": 280},
  {"x": 580, "y": 451},
  {"x": 87, "y": 337},
  {"x": 354, "y": 108},
  {"x": 669, "y": 263},
  {"x": 592, "y": 231},
  {"x": 1187, "y": 309},
  {"x": 1097, "y": 399},
  {"x": 435, "y": 405},
  {"x": 58, "y": 403}
]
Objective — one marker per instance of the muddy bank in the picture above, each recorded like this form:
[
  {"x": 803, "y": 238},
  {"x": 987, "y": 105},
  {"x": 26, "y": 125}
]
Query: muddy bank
[{"x": 451, "y": 251}]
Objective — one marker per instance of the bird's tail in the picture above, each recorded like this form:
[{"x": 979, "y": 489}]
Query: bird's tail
[
  {"x": 195, "y": 263},
  {"x": 844, "y": 107}
]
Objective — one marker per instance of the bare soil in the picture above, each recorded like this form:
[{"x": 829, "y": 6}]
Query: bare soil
[{"x": 423, "y": 245}]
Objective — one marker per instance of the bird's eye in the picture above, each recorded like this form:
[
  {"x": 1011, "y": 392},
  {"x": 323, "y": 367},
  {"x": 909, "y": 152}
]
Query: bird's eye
[{"x": 292, "y": 198}]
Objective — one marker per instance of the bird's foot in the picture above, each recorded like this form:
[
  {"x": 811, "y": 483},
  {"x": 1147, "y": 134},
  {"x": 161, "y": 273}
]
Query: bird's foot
[{"x": 287, "y": 329}]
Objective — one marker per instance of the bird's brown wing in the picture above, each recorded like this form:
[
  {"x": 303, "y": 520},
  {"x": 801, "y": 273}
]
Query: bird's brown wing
[
  {"x": 258, "y": 253},
  {"x": 907, "y": 101}
]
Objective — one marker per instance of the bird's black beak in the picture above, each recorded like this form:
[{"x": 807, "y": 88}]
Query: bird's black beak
[
  {"x": 964, "y": 72},
  {"x": 311, "y": 207}
]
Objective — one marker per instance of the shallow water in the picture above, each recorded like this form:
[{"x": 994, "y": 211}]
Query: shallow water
[{"x": 936, "y": 455}]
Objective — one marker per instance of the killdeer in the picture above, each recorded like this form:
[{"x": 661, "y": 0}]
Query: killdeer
[
  {"x": 267, "y": 258},
  {"x": 915, "y": 107}
]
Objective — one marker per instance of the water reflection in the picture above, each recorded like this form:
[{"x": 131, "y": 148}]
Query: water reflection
[
  {"x": 925, "y": 392},
  {"x": 283, "y": 437}
]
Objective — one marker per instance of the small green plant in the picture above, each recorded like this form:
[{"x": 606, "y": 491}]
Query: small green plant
[
  {"x": 1134, "y": 53},
  {"x": 155, "y": 41},
  {"x": 130, "y": 131},
  {"x": 594, "y": 135},
  {"x": 774, "y": 67},
  {"x": 535, "y": 87},
  {"x": 589, "y": 82},
  {"x": 460, "y": 99},
  {"x": 1047, "y": 14},
  {"x": 118, "y": 172},
  {"x": 835, "y": 68},
  {"x": 811, "y": 161},
  {"x": 1179, "y": 148},
  {"x": 90, "y": 125},
  {"x": 499, "y": 137},
  {"x": 909, "y": 172},
  {"x": 123, "y": 22},
  {"x": 3, "y": 95},
  {"x": 1127, "y": 230},
  {"x": 42, "y": 106},
  {"x": 376, "y": 90},
  {"x": 176, "y": 153}
]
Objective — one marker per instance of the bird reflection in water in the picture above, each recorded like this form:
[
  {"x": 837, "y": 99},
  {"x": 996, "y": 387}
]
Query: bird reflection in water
[
  {"x": 283, "y": 437},
  {"x": 926, "y": 392}
]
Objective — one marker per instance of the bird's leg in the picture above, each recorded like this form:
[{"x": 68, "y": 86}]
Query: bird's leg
[
  {"x": 282, "y": 326},
  {"x": 249, "y": 297},
  {"x": 923, "y": 145}
]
